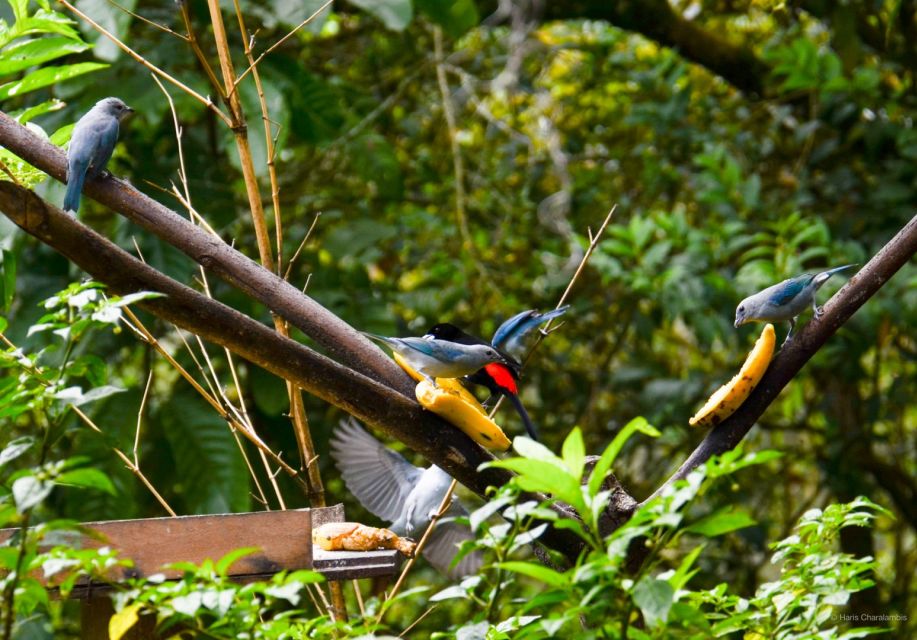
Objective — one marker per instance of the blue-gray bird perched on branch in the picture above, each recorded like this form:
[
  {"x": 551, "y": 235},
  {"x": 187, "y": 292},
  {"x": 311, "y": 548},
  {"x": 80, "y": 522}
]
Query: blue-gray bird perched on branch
[
  {"x": 440, "y": 359},
  {"x": 91, "y": 145},
  {"x": 785, "y": 301},
  {"x": 393, "y": 489}
]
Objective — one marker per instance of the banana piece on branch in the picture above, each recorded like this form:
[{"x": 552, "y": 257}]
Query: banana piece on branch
[
  {"x": 454, "y": 403},
  {"x": 725, "y": 400}
]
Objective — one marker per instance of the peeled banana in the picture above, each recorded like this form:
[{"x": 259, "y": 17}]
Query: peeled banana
[
  {"x": 353, "y": 536},
  {"x": 453, "y": 402},
  {"x": 731, "y": 395}
]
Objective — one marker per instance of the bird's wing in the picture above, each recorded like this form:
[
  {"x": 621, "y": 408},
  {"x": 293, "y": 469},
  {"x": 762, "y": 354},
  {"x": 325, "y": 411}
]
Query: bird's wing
[
  {"x": 789, "y": 289},
  {"x": 378, "y": 477},
  {"x": 107, "y": 132},
  {"x": 505, "y": 330},
  {"x": 444, "y": 542}
]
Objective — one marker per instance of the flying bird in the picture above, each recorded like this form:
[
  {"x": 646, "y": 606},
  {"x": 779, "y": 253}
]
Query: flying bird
[{"x": 393, "y": 489}]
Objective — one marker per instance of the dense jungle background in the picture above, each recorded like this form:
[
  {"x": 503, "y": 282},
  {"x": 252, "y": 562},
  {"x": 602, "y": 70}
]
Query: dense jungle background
[{"x": 450, "y": 158}]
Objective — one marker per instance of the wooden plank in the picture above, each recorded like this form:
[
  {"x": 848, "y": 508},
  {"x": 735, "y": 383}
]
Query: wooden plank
[{"x": 283, "y": 539}]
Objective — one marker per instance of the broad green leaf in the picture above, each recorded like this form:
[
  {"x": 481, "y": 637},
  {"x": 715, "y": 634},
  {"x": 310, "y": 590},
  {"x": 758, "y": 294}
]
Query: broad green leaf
[
  {"x": 394, "y": 14},
  {"x": 528, "y": 448},
  {"x": 538, "y": 475},
  {"x": 31, "y": 53},
  {"x": 654, "y": 597},
  {"x": 123, "y": 621},
  {"x": 722, "y": 521},
  {"x": 574, "y": 453},
  {"x": 26, "y": 115},
  {"x": 47, "y": 76},
  {"x": 87, "y": 478},
  {"x": 537, "y": 571}
]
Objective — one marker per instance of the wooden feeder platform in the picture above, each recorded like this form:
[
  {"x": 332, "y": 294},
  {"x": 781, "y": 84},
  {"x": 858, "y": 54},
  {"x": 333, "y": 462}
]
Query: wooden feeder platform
[{"x": 283, "y": 540}]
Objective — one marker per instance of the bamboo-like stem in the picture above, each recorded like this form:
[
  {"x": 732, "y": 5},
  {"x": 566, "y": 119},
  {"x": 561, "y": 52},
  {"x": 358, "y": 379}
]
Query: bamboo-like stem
[
  {"x": 268, "y": 137},
  {"x": 301, "y": 429}
]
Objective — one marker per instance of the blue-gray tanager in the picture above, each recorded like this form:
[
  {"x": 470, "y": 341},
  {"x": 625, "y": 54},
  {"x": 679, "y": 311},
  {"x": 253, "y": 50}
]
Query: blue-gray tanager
[
  {"x": 441, "y": 359},
  {"x": 511, "y": 336},
  {"x": 500, "y": 379},
  {"x": 91, "y": 145},
  {"x": 393, "y": 489},
  {"x": 786, "y": 300}
]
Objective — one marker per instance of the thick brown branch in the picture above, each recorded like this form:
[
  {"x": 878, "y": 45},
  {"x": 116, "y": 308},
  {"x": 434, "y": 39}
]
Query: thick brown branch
[
  {"x": 340, "y": 339},
  {"x": 362, "y": 397},
  {"x": 894, "y": 255}
]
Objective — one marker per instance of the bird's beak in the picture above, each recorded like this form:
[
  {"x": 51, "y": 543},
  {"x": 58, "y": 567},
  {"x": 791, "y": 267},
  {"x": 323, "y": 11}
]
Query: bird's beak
[
  {"x": 129, "y": 110},
  {"x": 738, "y": 323}
]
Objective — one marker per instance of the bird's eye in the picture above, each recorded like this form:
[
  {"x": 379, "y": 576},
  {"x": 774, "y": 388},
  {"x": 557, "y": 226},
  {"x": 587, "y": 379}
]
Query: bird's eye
[{"x": 741, "y": 309}]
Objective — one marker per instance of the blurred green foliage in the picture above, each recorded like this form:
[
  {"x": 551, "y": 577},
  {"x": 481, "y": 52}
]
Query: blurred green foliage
[{"x": 719, "y": 194}]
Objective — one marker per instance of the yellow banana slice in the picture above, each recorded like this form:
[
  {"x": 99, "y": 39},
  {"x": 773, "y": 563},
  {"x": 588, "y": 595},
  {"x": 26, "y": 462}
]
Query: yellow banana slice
[
  {"x": 470, "y": 418},
  {"x": 731, "y": 395},
  {"x": 450, "y": 384}
]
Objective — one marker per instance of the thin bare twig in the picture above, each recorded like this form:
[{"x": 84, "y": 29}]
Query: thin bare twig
[
  {"x": 280, "y": 42},
  {"x": 149, "y": 65},
  {"x": 152, "y": 23},
  {"x": 286, "y": 274}
]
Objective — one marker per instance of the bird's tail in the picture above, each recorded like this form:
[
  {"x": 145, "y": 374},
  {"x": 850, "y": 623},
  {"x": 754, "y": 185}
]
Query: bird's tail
[
  {"x": 822, "y": 277},
  {"x": 74, "y": 189},
  {"x": 376, "y": 337},
  {"x": 529, "y": 427}
]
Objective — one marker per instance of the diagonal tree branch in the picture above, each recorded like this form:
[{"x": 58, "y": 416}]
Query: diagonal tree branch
[
  {"x": 339, "y": 338},
  {"x": 792, "y": 357},
  {"x": 364, "y": 398}
]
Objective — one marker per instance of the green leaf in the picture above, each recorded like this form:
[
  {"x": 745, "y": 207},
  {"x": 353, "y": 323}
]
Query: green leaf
[
  {"x": 31, "y": 53},
  {"x": 15, "y": 449},
  {"x": 224, "y": 563},
  {"x": 537, "y": 571},
  {"x": 26, "y": 115},
  {"x": 722, "y": 521},
  {"x": 528, "y": 448},
  {"x": 28, "y": 491},
  {"x": 394, "y": 14},
  {"x": 46, "y": 77},
  {"x": 87, "y": 478},
  {"x": 538, "y": 475},
  {"x": 603, "y": 466},
  {"x": 681, "y": 576},
  {"x": 654, "y": 597},
  {"x": 574, "y": 453}
]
